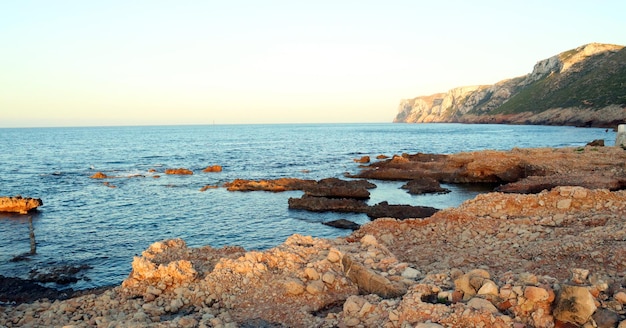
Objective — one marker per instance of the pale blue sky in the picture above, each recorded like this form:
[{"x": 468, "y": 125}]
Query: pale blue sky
[{"x": 81, "y": 63}]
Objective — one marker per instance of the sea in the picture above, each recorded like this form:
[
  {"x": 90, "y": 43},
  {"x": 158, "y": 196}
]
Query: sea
[{"x": 100, "y": 225}]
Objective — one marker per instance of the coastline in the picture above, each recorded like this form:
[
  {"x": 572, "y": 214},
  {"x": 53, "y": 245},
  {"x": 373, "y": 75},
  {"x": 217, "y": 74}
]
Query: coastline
[{"x": 500, "y": 260}]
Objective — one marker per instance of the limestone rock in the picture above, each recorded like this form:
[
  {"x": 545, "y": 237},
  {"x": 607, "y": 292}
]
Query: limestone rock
[
  {"x": 574, "y": 304},
  {"x": 337, "y": 188},
  {"x": 424, "y": 185},
  {"x": 343, "y": 224},
  {"x": 370, "y": 282},
  {"x": 276, "y": 185},
  {"x": 385, "y": 210},
  {"x": 179, "y": 171},
  {"x": 99, "y": 175},
  {"x": 19, "y": 204},
  {"x": 213, "y": 168}
]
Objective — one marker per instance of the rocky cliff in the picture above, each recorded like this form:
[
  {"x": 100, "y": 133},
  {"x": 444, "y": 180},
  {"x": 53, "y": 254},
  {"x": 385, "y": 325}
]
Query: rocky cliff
[{"x": 585, "y": 86}]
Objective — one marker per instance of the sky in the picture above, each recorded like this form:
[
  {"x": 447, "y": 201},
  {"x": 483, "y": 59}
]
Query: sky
[{"x": 151, "y": 62}]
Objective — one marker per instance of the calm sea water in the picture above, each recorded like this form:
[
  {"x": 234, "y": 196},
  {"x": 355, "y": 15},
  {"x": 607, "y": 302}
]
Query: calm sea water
[{"x": 84, "y": 222}]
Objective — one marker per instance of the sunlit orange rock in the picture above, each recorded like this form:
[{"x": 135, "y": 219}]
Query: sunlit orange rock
[
  {"x": 213, "y": 168},
  {"x": 179, "y": 171},
  {"x": 18, "y": 204},
  {"x": 99, "y": 175},
  {"x": 276, "y": 185}
]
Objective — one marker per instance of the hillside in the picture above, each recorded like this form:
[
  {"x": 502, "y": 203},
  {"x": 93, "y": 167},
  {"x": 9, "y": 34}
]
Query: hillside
[{"x": 585, "y": 86}]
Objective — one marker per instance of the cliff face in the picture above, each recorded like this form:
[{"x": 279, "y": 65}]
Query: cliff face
[{"x": 585, "y": 86}]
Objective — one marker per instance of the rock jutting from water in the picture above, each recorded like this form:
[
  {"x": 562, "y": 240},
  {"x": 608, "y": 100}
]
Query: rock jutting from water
[
  {"x": 520, "y": 170},
  {"x": 552, "y": 259},
  {"x": 19, "y": 204}
]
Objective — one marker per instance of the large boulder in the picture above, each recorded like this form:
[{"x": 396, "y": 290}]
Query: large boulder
[{"x": 19, "y": 204}]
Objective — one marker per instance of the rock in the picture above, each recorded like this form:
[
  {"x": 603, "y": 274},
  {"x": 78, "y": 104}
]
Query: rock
[
  {"x": 277, "y": 185},
  {"x": 574, "y": 304},
  {"x": 337, "y": 188},
  {"x": 381, "y": 156},
  {"x": 517, "y": 170},
  {"x": 324, "y": 204},
  {"x": 18, "y": 204},
  {"x": 364, "y": 159},
  {"x": 482, "y": 304},
  {"x": 596, "y": 143},
  {"x": 410, "y": 273},
  {"x": 620, "y": 297},
  {"x": 488, "y": 288},
  {"x": 424, "y": 186},
  {"x": 471, "y": 282},
  {"x": 99, "y": 175},
  {"x": 428, "y": 325},
  {"x": 384, "y": 210},
  {"x": 207, "y": 187},
  {"x": 311, "y": 274},
  {"x": 369, "y": 282},
  {"x": 179, "y": 171},
  {"x": 213, "y": 168},
  {"x": 605, "y": 318},
  {"x": 294, "y": 286},
  {"x": 315, "y": 287},
  {"x": 328, "y": 278},
  {"x": 343, "y": 224},
  {"x": 536, "y": 294}
]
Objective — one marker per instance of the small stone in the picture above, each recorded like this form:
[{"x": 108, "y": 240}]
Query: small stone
[
  {"x": 369, "y": 240},
  {"x": 311, "y": 274},
  {"x": 294, "y": 287},
  {"x": 315, "y": 287},
  {"x": 482, "y": 304},
  {"x": 410, "y": 273},
  {"x": 328, "y": 278},
  {"x": 620, "y": 297},
  {"x": 536, "y": 294},
  {"x": 488, "y": 288},
  {"x": 564, "y": 204},
  {"x": 334, "y": 255},
  {"x": 351, "y": 306},
  {"x": 153, "y": 290},
  {"x": 428, "y": 325},
  {"x": 579, "y": 276},
  {"x": 352, "y": 322}
]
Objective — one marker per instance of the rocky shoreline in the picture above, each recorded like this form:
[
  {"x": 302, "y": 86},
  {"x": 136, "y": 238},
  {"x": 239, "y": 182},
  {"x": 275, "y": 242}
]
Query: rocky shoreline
[{"x": 549, "y": 258}]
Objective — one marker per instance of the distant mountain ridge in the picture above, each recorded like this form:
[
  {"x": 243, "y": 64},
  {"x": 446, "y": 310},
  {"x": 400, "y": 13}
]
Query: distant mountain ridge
[{"x": 585, "y": 86}]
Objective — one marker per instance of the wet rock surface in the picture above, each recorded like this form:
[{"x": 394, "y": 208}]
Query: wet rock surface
[
  {"x": 385, "y": 210},
  {"x": 343, "y": 224},
  {"x": 424, "y": 186}
]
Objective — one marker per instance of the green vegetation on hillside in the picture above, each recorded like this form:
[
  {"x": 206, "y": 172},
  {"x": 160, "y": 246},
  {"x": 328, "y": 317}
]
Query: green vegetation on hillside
[{"x": 589, "y": 84}]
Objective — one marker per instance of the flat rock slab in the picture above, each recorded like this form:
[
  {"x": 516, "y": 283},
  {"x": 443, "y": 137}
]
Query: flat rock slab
[{"x": 533, "y": 169}]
